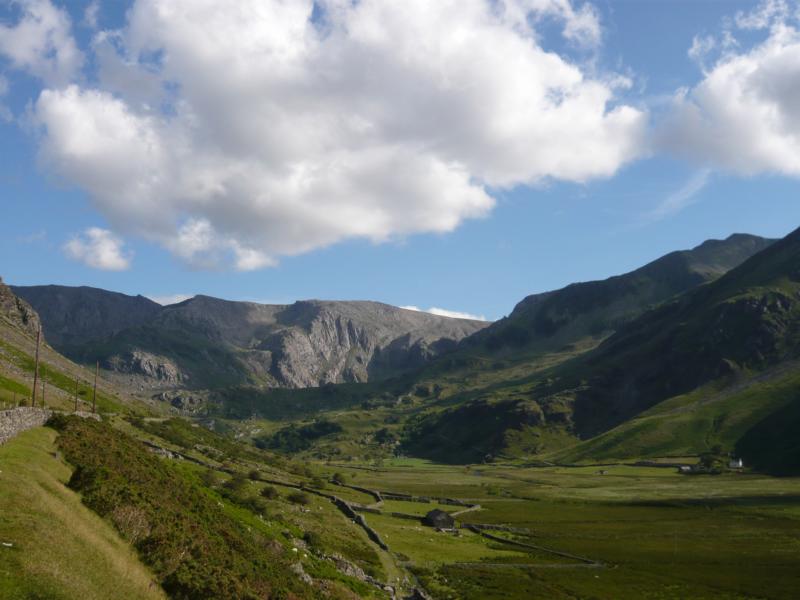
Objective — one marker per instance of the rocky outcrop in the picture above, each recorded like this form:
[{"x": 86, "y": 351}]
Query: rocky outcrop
[
  {"x": 183, "y": 402},
  {"x": 137, "y": 362},
  {"x": 18, "y": 312}
]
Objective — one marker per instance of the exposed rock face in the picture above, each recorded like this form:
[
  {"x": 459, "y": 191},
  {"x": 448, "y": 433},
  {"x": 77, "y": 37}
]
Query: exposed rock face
[
  {"x": 17, "y": 311},
  {"x": 182, "y": 401},
  {"x": 207, "y": 342},
  {"x": 151, "y": 366}
]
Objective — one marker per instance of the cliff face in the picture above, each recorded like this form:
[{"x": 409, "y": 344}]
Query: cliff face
[
  {"x": 208, "y": 342},
  {"x": 16, "y": 311},
  {"x": 332, "y": 342}
]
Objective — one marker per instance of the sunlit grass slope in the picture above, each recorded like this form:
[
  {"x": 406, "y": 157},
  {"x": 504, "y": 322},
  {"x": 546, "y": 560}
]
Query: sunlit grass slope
[{"x": 59, "y": 548}]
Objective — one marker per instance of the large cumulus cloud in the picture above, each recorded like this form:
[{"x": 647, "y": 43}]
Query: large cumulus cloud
[
  {"x": 744, "y": 115},
  {"x": 237, "y": 133}
]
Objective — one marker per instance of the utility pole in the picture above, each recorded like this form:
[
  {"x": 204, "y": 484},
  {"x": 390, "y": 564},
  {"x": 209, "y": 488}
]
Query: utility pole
[
  {"x": 94, "y": 394},
  {"x": 43, "y": 380},
  {"x": 36, "y": 366},
  {"x": 76, "y": 393}
]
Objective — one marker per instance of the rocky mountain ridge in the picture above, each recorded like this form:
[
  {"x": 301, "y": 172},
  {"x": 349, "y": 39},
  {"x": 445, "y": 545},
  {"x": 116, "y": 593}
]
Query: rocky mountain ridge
[{"x": 207, "y": 342}]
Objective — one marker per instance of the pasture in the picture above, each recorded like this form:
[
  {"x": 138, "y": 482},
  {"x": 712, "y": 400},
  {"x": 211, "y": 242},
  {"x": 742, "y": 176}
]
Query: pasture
[{"x": 652, "y": 532}]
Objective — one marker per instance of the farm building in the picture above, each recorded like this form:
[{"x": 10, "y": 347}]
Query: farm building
[{"x": 439, "y": 519}]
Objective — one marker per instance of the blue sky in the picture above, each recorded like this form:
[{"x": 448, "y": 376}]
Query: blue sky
[{"x": 475, "y": 238}]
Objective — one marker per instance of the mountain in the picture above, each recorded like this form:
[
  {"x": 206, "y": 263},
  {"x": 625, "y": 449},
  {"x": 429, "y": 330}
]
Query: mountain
[
  {"x": 15, "y": 312},
  {"x": 551, "y": 320},
  {"x": 717, "y": 366},
  {"x": 206, "y": 342},
  {"x": 746, "y": 321},
  {"x": 19, "y": 324},
  {"x": 73, "y": 316}
]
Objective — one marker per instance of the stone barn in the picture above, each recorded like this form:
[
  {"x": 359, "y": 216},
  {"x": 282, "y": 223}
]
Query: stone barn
[{"x": 439, "y": 519}]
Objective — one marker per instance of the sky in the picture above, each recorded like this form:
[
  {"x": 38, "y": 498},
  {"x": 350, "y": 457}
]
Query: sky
[{"x": 453, "y": 156}]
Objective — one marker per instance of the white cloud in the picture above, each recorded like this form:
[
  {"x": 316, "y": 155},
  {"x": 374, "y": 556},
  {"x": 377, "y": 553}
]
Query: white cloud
[
  {"x": 99, "y": 249},
  {"x": 376, "y": 121},
  {"x": 91, "y": 13},
  {"x": 682, "y": 197},
  {"x": 744, "y": 116},
  {"x": 765, "y": 15},
  {"x": 170, "y": 299},
  {"x": 443, "y": 312},
  {"x": 41, "y": 43},
  {"x": 702, "y": 46}
]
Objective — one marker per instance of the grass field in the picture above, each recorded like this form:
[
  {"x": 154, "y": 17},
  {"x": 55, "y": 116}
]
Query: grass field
[
  {"x": 59, "y": 548},
  {"x": 658, "y": 534},
  {"x": 630, "y": 532}
]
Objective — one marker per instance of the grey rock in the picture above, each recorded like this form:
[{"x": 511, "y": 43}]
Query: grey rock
[{"x": 17, "y": 311}]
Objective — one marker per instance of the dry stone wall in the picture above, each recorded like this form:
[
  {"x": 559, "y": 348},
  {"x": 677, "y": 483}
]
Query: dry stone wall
[{"x": 15, "y": 421}]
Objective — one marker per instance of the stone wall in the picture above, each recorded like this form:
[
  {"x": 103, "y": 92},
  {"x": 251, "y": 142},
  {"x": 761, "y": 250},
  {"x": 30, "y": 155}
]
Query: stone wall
[{"x": 17, "y": 420}]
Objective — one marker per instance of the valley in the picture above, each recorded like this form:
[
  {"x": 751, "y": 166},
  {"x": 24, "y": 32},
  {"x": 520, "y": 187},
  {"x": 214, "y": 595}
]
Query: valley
[{"x": 579, "y": 448}]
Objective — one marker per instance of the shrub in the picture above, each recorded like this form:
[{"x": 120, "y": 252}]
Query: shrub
[
  {"x": 193, "y": 547},
  {"x": 256, "y": 504},
  {"x": 296, "y": 439},
  {"x": 299, "y": 498},
  {"x": 254, "y": 475},
  {"x": 269, "y": 492},
  {"x": 236, "y": 483}
]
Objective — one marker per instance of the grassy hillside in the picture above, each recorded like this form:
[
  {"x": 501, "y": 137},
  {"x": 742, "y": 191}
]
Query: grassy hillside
[
  {"x": 17, "y": 351},
  {"x": 197, "y": 545},
  {"x": 738, "y": 417},
  {"x": 743, "y": 323},
  {"x": 59, "y": 549},
  {"x": 549, "y": 321},
  {"x": 732, "y": 340}
]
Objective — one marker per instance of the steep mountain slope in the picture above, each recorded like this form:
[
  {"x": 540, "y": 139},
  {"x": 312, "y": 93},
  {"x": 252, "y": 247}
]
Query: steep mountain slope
[
  {"x": 74, "y": 316},
  {"x": 548, "y": 321},
  {"x": 745, "y": 322},
  {"x": 19, "y": 324},
  {"x": 711, "y": 367},
  {"x": 206, "y": 342}
]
